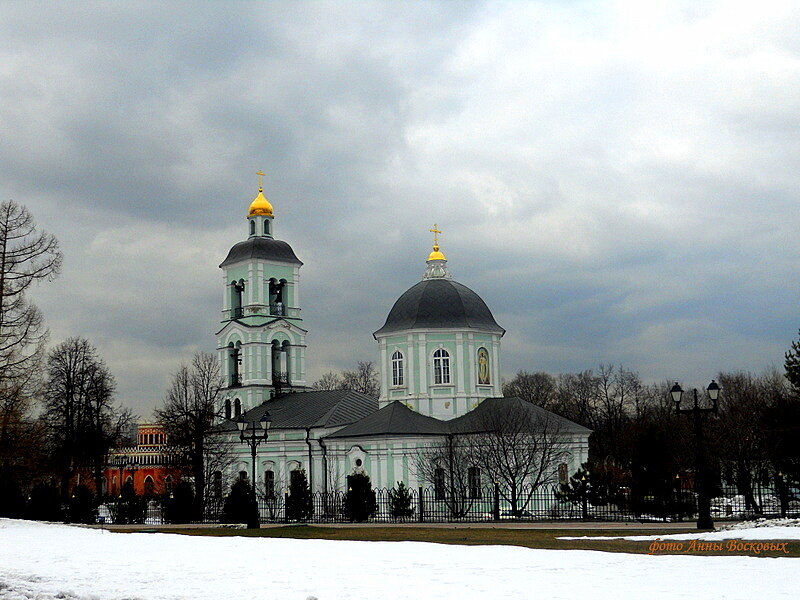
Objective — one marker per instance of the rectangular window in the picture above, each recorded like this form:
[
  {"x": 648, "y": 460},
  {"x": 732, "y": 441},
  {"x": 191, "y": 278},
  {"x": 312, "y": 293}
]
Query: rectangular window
[
  {"x": 474, "y": 481},
  {"x": 438, "y": 484},
  {"x": 269, "y": 484}
]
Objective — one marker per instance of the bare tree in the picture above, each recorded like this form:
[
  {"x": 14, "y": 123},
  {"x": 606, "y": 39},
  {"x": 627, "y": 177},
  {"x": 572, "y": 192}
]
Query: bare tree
[
  {"x": 538, "y": 388},
  {"x": 329, "y": 381},
  {"x": 364, "y": 378},
  {"x": 520, "y": 447},
  {"x": 189, "y": 413},
  {"x": 79, "y": 412},
  {"x": 26, "y": 256},
  {"x": 445, "y": 465}
]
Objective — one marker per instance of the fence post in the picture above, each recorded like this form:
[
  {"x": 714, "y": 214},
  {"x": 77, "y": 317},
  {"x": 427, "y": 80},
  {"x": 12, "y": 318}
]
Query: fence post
[
  {"x": 496, "y": 506},
  {"x": 285, "y": 507},
  {"x": 421, "y": 506}
]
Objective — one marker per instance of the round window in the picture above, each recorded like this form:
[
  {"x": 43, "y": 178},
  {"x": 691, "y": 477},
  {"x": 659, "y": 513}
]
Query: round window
[{"x": 358, "y": 462}]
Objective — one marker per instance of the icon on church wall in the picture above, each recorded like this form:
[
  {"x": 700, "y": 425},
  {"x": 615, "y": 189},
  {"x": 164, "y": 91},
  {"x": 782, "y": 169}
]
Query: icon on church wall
[{"x": 483, "y": 367}]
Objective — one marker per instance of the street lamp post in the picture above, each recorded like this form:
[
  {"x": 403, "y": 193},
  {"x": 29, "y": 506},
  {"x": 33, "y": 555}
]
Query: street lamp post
[
  {"x": 253, "y": 433},
  {"x": 697, "y": 412},
  {"x": 584, "y": 497}
]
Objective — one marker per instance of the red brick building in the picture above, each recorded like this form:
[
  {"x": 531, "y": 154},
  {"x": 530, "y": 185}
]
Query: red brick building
[{"x": 152, "y": 465}]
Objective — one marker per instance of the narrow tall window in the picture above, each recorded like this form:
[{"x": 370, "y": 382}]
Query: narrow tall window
[
  {"x": 216, "y": 484},
  {"x": 237, "y": 408},
  {"x": 266, "y": 226},
  {"x": 149, "y": 486},
  {"x": 168, "y": 484},
  {"x": 474, "y": 482},
  {"x": 438, "y": 484},
  {"x": 397, "y": 368},
  {"x": 441, "y": 366},
  {"x": 269, "y": 483},
  {"x": 237, "y": 293},
  {"x": 252, "y": 227},
  {"x": 228, "y": 408}
]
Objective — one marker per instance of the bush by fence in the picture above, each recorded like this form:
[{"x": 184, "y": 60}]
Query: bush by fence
[{"x": 402, "y": 504}]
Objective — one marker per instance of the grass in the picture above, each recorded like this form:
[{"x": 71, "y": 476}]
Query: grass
[{"x": 529, "y": 538}]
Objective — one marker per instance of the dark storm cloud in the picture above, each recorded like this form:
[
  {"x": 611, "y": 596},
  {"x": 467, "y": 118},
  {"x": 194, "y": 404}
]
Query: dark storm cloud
[{"x": 618, "y": 183}]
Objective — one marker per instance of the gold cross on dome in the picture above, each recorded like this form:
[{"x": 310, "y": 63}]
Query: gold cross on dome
[
  {"x": 435, "y": 231},
  {"x": 260, "y": 180}
]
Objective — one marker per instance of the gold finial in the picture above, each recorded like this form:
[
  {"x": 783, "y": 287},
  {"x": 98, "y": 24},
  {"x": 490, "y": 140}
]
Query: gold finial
[
  {"x": 260, "y": 206},
  {"x": 436, "y": 255}
]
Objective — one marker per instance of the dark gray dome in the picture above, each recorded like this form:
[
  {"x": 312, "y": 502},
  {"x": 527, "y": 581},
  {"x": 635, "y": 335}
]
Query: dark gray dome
[
  {"x": 439, "y": 303},
  {"x": 261, "y": 247}
]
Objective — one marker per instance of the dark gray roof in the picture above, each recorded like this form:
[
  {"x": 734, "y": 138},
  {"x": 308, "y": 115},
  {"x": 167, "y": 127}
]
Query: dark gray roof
[
  {"x": 393, "y": 419},
  {"x": 439, "y": 303},
  {"x": 484, "y": 414},
  {"x": 301, "y": 410},
  {"x": 261, "y": 247},
  {"x": 397, "y": 419}
]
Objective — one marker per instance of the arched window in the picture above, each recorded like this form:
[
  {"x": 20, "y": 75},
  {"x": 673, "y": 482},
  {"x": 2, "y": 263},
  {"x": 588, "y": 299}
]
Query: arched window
[
  {"x": 474, "y": 482},
  {"x": 168, "y": 484},
  {"x": 149, "y": 486},
  {"x": 483, "y": 367},
  {"x": 397, "y": 368},
  {"x": 252, "y": 227},
  {"x": 243, "y": 475},
  {"x": 227, "y": 408},
  {"x": 441, "y": 366},
  {"x": 237, "y": 294},
  {"x": 269, "y": 483},
  {"x": 216, "y": 484},
  {"x": 438, "y": 484},
  {"x": 266, "y": 226},
  {"x": 237, "y": 408}
]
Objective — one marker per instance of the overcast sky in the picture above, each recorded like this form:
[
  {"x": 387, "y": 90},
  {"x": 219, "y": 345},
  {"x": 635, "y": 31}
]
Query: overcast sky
[{"x": 619, "y": 181}]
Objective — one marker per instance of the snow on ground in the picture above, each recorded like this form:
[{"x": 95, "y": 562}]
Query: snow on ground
[
  {"x": 47, "y": 561},
  {"x": 762, "y": 529}
]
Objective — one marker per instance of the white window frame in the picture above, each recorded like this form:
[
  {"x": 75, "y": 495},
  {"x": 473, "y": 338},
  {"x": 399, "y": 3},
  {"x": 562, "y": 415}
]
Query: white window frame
[
  {"x": 441, "y": 367},
  {"x": 398, "y": 369}
]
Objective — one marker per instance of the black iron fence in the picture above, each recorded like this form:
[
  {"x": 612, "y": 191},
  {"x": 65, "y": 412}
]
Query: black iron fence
[{"x": 489, "y": 504}]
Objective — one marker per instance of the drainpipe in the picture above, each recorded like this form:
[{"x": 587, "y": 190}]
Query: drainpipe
[
  {"x": 324, "y": 464},
  {"x": 310, "y": 462}
]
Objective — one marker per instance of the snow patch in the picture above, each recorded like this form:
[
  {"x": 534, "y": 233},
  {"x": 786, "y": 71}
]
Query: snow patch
[{"x": 46, "y": 562}]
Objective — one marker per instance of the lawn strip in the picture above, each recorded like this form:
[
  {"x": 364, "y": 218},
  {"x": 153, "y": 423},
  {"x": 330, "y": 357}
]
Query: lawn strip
[{"x": 530, "y": 538}]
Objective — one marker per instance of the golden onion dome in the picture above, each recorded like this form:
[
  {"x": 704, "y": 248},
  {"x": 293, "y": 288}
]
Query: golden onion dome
[
  {"x": 436, "y": 254},
  {"x": 260, "y": 206}
]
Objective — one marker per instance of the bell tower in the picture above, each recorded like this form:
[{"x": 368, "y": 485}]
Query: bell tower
[{"x": 261, "y": 344}]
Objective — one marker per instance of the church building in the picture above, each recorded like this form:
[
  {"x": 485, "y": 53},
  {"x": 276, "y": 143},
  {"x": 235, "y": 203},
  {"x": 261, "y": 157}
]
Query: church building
[{"x": 439, "y": 354}]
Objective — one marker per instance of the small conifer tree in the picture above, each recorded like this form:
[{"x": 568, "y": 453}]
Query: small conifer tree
[
  {"x": 792, "y": 365},
  {"x": 179, "y": 506},
  {"x": 359, "y": 502},
  {"x": 401, "y": 503},
  {"x": 129, "y": 508},
  {"x": 299, "y": 504},
  {"x": 44, "y": 503},
  {"x": 240, "y": 505},
  {"x": 81, "y": 507}
]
